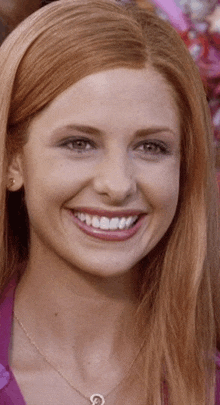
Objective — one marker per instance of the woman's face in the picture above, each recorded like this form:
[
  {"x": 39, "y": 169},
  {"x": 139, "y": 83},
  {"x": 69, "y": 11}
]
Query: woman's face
[{"x": 101, "y": 171}]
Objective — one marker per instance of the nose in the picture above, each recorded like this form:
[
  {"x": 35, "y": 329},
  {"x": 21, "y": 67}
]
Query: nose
[{"x": 115, "y": 178}]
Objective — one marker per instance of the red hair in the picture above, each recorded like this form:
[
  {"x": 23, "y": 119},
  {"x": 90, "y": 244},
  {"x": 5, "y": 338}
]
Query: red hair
[{"x": 54, "y": 48}]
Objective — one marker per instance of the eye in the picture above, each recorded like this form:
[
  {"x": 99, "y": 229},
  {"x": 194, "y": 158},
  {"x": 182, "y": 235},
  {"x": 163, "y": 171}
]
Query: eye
[
  {"x": 153, "y": 148},
  {"x": 78, "y": 145}
]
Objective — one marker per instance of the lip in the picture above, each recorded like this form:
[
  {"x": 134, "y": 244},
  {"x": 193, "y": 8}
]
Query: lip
[
  {"x": 114, "y": 236},
  {"x": 108, "y": 214}
]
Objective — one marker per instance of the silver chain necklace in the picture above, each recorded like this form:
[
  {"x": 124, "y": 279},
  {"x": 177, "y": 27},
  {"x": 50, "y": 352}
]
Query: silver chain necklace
[{"x": 95, "y": 399}]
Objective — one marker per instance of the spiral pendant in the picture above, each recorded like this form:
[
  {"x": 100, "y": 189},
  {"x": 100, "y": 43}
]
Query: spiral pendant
[{"x": 97, "y": 399}]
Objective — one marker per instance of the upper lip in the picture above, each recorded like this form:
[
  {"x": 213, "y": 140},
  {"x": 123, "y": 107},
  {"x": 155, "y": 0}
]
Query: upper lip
[{"x": 108, "y": 214}]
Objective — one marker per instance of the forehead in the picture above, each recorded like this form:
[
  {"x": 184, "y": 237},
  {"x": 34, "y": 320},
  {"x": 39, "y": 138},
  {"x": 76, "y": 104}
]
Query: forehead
[{"x": 138, "y": 97}]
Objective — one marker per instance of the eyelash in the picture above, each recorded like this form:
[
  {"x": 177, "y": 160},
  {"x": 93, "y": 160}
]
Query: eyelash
[
  {"x": 159, "y": 148},
  {"x": 78, "y": 149}
]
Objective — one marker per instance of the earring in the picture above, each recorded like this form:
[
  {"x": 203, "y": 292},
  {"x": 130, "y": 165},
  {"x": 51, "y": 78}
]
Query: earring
[{"x": 11, "y": 182}]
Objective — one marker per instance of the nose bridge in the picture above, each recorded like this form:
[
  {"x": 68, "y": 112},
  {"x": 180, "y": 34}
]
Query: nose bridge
[{"x": 115, "y": 175}]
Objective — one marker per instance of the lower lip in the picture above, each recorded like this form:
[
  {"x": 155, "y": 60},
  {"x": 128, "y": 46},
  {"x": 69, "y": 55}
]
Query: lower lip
[{"x": 116, "y": 236}]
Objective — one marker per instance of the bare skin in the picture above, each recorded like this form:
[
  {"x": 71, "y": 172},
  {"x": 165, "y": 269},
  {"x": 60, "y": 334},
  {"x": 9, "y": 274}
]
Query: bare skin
[{"x": 100, "y": 327}]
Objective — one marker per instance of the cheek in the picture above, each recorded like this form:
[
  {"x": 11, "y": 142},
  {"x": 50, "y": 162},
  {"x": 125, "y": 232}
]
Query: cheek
[
  {"x": 170, "y": 192},
  {"x": 162, "y": 196},
  {"x": 161, "y": 188},
  {"x": 48, "y": 181}
]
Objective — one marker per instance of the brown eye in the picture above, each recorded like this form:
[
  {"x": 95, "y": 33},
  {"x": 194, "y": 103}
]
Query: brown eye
[
  {"x": 78, "y": 144},
  {"x": 154, "y": 148}
]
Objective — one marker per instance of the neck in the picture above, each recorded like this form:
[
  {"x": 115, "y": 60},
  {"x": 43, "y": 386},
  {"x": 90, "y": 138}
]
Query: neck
[
  {"x": 77, "y": 309},
  {"x": 84, "y": 324}
]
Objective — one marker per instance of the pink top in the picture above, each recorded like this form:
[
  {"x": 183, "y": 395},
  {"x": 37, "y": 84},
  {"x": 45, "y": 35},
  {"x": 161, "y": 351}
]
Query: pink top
[{"x": 10, "y": 393}]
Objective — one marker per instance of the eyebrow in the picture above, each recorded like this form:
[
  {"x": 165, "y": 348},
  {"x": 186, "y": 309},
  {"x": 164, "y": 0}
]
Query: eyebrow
[{"x": 94, "y": 131}]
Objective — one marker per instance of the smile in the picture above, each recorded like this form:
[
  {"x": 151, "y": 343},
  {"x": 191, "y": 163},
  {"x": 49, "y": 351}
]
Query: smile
[{"x": 108, "y": 226}]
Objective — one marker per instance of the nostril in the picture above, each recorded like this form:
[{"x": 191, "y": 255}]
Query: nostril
[{"x": 114, "y": 185}]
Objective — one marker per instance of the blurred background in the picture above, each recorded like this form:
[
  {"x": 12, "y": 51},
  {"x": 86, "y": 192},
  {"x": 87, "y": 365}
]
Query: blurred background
[{"x": 197, "y": 22}]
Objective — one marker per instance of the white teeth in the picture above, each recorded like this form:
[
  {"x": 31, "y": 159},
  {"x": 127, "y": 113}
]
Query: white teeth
[
  {"x": 88, "y": 220},
  {"x": 95, "y": 222},
  {"x": 82, "y": 217},
  {"x": 114, "y": 224},
  {"x": 122, "y": 223},
  {"x": 105, "y": 223},
  {"x": 129, "y": 222}
]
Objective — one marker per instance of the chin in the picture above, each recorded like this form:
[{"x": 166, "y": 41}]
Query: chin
[{"x": 109, "y": 269}]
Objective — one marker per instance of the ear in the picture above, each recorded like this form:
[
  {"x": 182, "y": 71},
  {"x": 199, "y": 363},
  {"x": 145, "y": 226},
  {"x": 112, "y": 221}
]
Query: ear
[{"x": 15, "y": 173}]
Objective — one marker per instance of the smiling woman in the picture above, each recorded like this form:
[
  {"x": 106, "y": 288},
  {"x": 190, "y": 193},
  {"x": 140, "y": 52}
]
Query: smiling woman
[
  {"x": 109, "y": 236},
  {"x": 109, "y": 153}
]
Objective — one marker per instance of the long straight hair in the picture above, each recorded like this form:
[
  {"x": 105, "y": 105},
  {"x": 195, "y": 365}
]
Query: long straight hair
[{"x": 53, "y": 49}]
